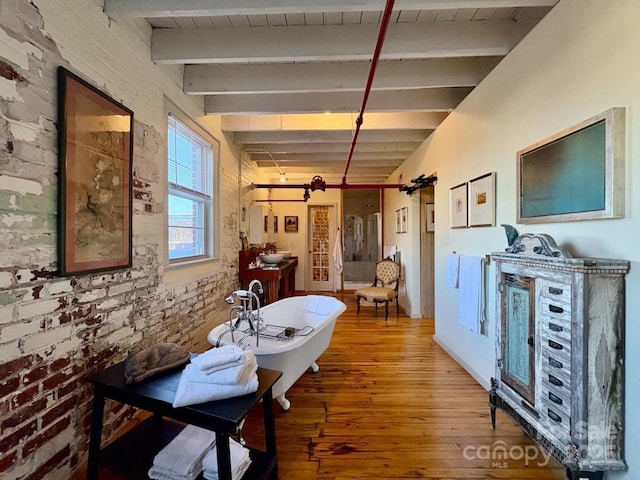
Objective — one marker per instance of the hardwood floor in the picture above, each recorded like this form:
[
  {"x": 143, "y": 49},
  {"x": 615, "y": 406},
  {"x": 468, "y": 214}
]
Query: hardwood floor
[{"x": 389, "y": 403}]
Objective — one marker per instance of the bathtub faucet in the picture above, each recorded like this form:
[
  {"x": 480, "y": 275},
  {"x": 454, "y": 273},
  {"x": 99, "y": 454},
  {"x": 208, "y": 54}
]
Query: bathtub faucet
[{"x": 245, "y": 309}]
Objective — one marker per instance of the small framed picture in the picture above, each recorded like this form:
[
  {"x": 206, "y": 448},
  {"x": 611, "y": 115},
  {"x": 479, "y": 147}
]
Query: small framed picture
[
  {"x": 458, "y": 206},
  {"x": 482, "y": 201},
  {"x": 275, "y": 223},
  {"x": 430, "y": 217},
  {"x": 291, "y": 224}
]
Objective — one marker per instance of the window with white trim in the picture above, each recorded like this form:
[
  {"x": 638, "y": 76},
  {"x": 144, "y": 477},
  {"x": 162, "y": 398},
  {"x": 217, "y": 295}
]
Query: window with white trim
[{"x": 190, "y": 199}]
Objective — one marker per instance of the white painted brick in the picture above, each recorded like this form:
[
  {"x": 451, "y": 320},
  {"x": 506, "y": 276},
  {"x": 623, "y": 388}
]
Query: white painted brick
[
  {"x": 14, "y": 331},
  {"x": 37, "y": 308},
  {"x": 121, "y": 288},
  {"x": 64, "y": 348},
  {"x": 108, "y": 304},
  {"x": 92, "y": 295},
  {"x": 60, "y": 287},
  {"x": 46, "y": 339},
  {"x": 6, "y": 279},
  {"x": 7, "y": 314},
  {"x": 24, "y": 276},
  {"x": 120, "y": 313},
  {"x": 118, "y": 335}
]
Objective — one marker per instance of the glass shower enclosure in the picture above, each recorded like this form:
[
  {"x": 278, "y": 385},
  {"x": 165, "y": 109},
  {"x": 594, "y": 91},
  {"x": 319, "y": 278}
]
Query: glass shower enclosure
[{"x": 362, "y": 237}]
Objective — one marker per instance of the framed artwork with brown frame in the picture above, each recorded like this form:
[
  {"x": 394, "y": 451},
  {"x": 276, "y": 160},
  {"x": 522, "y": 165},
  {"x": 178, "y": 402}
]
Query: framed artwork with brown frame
[
  {"x": 291, "y": 223},
  {"x": 95, "y": 148}
]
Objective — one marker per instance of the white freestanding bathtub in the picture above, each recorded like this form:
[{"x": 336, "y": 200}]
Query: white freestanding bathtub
[{"x": 314, "y": 318}]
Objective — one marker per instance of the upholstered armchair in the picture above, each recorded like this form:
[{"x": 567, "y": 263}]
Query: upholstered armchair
[{"x": 384, "y": 288}]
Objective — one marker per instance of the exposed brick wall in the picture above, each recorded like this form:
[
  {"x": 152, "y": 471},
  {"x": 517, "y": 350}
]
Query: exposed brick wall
[{"x": 54, "y": 331}]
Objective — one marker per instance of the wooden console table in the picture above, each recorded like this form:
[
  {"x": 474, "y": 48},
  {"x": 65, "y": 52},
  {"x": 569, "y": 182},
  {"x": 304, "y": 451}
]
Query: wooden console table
[
  {"x": 131, "y": 455},
  {"x": 278, "y": 281}
]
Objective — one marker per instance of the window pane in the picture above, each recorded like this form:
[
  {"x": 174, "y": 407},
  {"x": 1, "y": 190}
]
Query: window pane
[
  {"x": 190, "y": 159},
  {"x": 186, "y": 227}
]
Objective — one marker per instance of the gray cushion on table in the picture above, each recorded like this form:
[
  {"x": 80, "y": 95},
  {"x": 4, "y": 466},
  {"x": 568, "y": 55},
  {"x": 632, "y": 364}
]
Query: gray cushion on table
[{"x": 154, "y": 359}]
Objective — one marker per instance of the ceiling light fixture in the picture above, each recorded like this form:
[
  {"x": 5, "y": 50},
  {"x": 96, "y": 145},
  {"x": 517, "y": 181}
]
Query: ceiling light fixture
[{"x": 282, "y": 175}]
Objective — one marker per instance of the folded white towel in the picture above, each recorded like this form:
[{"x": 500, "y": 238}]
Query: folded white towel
[
  {"x": 320, "y": 304},
  {"x": 228, "y": 376},
  {"x": 157, "y": 473},
  {"x": 182, "y": 458},
  {"x": 240, "y": 461},
  {"x": 219, "y": 358},
  {"x": 191, "y": 392}
]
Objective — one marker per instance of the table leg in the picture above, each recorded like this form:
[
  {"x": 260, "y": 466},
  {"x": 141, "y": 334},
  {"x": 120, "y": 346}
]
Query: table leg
[
  {"x": 270, "y": 428},
  {"x": 95, "y": 435},
  {"x": 223, "y": 455}
]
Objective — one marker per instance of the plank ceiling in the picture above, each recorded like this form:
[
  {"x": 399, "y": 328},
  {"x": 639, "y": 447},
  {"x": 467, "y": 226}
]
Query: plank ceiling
[{"x": 288, "y": 76}]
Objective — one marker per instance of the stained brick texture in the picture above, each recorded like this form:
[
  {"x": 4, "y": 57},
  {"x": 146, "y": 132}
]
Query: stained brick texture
[{"x": 54, "y": 331}]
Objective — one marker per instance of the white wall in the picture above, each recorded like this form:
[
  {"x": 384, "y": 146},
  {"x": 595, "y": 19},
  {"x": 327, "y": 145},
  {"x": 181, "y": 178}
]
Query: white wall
[{"x": 581, "y": 60}]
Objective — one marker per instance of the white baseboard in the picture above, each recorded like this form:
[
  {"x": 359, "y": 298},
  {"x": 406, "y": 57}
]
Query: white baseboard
[{"x": 477, "y": 377}]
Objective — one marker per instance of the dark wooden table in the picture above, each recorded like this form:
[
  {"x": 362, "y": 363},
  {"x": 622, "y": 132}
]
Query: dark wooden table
[{"x": 135, "y": 450}]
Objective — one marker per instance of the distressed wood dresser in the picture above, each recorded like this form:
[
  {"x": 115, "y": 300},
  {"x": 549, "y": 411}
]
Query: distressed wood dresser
[{"x": 560, "y": 352}]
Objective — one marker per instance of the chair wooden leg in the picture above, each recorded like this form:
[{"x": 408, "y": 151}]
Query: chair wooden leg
[
  {"x": 386, "y": 310},
  {"x": 357, "y": 304},
  {"x": 397, "y": 307}
]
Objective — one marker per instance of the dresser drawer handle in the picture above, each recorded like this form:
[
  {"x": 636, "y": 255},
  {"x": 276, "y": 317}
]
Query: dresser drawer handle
[
  {"x": 555, "y": 345},
  {"x": 555, "y": 398},
  {"x": 555, "y": 291},
  {"x": 556, "y": 381},
  {"x": 555, "y": 363},
  {"x": 555, "y": 327},
  {"x": 554, "y": 309},
  {"x": 553, "y": 415}
]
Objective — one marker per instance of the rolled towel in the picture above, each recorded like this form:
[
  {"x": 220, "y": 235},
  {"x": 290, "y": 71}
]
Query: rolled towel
[
  {"x": 219, "y": 358},
  {"x": 190, "y": 392},
  {"x": 240, "y": 461},
  {"x": 228, "y": 376},
  {"x": 182, "y": 458}
]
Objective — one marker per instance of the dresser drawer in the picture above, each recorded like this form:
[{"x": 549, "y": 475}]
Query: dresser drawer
[
  {"x": 554, "y": 328},
  {"x": 556, "y": 291},
  {"x": 557, "y": 421},
  {"x": 556, "y": 363},
  {"x": 556, "y": 378},
  {"x": 554, "y": 309},
  {"x": 556, "y": 344},
  {"x": 558, "y": 398}
]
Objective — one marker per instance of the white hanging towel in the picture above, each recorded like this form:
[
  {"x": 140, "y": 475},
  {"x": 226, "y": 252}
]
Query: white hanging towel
[
  {"x": 337, "y": 254},
  {"x": 389, "y": 251},
  {"x": 453, "y": 264},
  {"x": 471, "y": 293}
]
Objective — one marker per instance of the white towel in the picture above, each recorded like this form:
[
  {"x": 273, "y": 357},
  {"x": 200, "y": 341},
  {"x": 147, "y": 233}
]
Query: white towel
[
  {"x": 191, "y": 392},
  {"x": 228, "y": 376},
  {"x": 390, "y": 251},
  {"x": 471, "y": 293},
  {"x": 240, "y": 461},
  {"x": 319, "y": 304},
  {"x": 337, "y": 253},
  {"x": 220, "y": 358},
  {"x": 453, "y": 264},
  {"x": 182, "y": 458}
]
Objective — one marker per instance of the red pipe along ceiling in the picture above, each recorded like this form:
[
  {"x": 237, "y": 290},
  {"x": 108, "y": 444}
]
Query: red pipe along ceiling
[
  {"x": 317, "y": 183},
  {"x": 384, "y": 25}
]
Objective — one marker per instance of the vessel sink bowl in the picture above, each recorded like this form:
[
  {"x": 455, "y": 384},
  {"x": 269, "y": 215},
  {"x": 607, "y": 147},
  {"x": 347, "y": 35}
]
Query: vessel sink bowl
[{"x": 271, "y": 258}]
